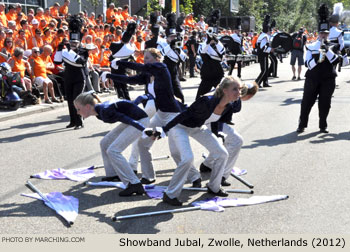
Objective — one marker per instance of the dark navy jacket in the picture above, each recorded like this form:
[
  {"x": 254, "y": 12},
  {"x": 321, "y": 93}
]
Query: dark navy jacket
[
  {"x": 121, "y": 111},
  {"x": 199, "y": 111},
  {"x": 163, "y": 89}
]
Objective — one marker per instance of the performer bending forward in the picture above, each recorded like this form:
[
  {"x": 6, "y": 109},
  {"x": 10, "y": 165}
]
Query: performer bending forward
[
  {"x": 191, "y": 122},
  {"x": 132, "y": 120}
]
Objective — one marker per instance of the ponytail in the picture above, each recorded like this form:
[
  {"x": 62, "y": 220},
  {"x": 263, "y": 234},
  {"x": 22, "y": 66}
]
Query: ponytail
[
  {"x": 225, "y": 83},
  {"x": 88, "y": 98}
]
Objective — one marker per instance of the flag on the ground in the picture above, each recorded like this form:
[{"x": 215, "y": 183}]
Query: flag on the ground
[
  {"x": 66, "y": 206},
  {"x": 79, "y": 174}
]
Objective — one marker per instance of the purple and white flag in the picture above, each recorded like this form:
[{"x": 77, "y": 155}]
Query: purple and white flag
[
  {"x": 79, "y": 174},
  {"x": 66, "y": 206},
  {"x": 238, "y": 172},
  {"x": 217, "y": 204}
]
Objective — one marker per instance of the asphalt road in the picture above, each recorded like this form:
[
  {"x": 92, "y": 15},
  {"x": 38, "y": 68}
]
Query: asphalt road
[{"x": 311, "y": 168}]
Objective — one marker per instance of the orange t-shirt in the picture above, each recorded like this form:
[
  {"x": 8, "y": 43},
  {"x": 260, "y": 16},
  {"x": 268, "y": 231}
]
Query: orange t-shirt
[
  {"x": 63, "y": 10},
  {"x": 53, "y": 12},
  {"x": 105, "y": 60},
  {"x": 255, "y": 38},
  {"x": 39, "y": 43},
  {"x": 47, "y": 60},
  {"x": 11, "y": 16},
  {"x": 125, "y": 15},
  {"x": 110, "y": 15},
  {"x": 39, "y": 67},
  {"x": 19, "y": 66},
  {"x": 3, "y": 19}
]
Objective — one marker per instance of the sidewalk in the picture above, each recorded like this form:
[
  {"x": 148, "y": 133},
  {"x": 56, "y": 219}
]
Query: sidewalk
[{"x": 33, "y": 109}]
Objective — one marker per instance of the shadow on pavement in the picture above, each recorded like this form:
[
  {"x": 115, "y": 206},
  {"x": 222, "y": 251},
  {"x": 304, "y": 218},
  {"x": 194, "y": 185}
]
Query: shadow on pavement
[
  {"x": 290, "y": 101},
  {"x": 289, "y": 138}
]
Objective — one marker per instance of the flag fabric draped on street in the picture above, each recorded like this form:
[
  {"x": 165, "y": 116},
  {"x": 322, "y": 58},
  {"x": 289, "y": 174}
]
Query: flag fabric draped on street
[
  {"x": 218, "y": 204},
  {"x": 66, "y": 206},
  {"x": 79, "y": 174}
]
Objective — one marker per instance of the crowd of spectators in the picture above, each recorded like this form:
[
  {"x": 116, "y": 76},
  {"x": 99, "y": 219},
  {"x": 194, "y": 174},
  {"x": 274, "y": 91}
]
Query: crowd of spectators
[{"x": 29, "y": 42}]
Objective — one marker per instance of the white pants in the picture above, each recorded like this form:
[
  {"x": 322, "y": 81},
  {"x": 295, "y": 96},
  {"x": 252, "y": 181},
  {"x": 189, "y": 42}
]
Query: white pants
[
  {"x": 150, "y": 110},
  {"x": 233, "y": 144},
  {"x": 181, "y": 151},
  {"x": 112, "y": 146},
  {"x": 160, "y": 119}
]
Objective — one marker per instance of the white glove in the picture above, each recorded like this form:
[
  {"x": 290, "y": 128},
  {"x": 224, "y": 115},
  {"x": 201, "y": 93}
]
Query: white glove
[
  {"x": 159, "y": 133},
  {"x": 147, "y": 132},
  {"x": 114, "y": 63}
]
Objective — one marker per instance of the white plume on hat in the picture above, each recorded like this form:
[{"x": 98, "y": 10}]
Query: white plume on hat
[{"x": 338, "y": 8}]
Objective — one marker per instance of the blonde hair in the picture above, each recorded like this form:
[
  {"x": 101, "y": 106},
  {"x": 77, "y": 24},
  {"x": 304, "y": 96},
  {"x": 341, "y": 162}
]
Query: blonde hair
[
  {"x": 85, "y": 98},
  {"x": 224, "y": 84},
  {"x": 249, "y": 89},
  {"x": 154, "y": 52}
]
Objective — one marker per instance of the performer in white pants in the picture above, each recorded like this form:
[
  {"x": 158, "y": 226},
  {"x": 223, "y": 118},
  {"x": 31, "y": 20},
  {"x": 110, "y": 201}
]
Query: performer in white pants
[
  {"x": 191, "y": 122},
  {"x": 157, "y": 73},
  {"x": 132, "y": 120},
  {"x": 232, "y": 140}
]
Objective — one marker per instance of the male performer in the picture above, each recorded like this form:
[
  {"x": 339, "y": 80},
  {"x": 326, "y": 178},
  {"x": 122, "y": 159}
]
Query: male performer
[
  {"x": 152, "y": 43},
  {"x": 272, "y": 55},
  {"x": 263, "y": 46},
  {"x": 211, "y": 51},
  {"x": 237, "y": 48},
  {"x": 336, "y": 34},
  {"x": 173, "y": 54},
  {"x": 122, "y": 50},
  {"x": 320, "y": 76},
  {"x": 75, "y": 73}
]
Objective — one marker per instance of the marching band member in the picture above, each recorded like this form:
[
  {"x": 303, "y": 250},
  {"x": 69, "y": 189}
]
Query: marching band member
[
  {"x": 132, "y": 120},
  {"x": 173, "y": 54},
  {"x": 211, "y": 51},
  {"x": 336, "y": 35},
  {"x": 320, "y": 76},
  {"x": 238, "y": 44},
  {"x": 264, "y": 49},
  {"x": 122, "y": 51}
]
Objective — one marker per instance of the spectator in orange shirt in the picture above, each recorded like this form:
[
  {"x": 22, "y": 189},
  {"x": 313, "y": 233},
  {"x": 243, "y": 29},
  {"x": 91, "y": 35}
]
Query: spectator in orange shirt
[
  {"x": 47, "y": 15},
  {"x": 36, "y": 40},
  {"x": 39, "y": 14},
  {"x": 18, "y": 21},
  {"x": 42, "y": 24},
  {"x": 7, "y": 49},
  {"x": 3, "y": 18},
  {"x": 11, "y": 15},
  {"x": 92, "y": 18},
  {"x": 19, "y": 10},
  {"x": 47, "y": 37},
  {"x": 9, "y": 33},
  {"x": 63, "y": 10},
  {"x": 57, "y": 39},
  {"x": 39, "y": 76},
  {"x": 21, "y": 40},
  {"x": 26, "y": 28},
  {"x": 125, "y": 12},
  {"x": 12, "y": 26},
  {"x": 110, "y": 14},
  {"x": 35, "y": 25},
  {"x": 106, "y": 29},
  {"x": 19, "y": 65}
]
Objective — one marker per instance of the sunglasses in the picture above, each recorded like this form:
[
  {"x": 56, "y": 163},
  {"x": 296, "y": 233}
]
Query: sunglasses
[{"x": 35, "y": 51}]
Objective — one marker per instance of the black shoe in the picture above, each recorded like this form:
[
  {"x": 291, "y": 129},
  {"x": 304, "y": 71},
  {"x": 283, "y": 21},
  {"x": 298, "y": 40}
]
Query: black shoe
[
  {"x": 193, "y": 76},
  {"x": 79, "y": 127},
  {"x": 114, "y": 178},
  {"x": 260, "y": 86},
  {"x": 70, "y": 125},
  {"x": 147, "y": 182},
  {"x": 173, "y": 202},
  {"x": 224, "y": 182},
  {"x": 197, "y": 183},
  {"x": 294, "y": 78},
  {"x": 299, "y": 78},
  {"x": 324, "y": 130},
  {"x": 131, "y": 189},
  {"x": 204, "y": 168},
  {"x": 266, "y": 85},
  {"x": 220, "y": 193},
  {"x": 182, "y": 79},
  {"x": 300, "y": 129}
]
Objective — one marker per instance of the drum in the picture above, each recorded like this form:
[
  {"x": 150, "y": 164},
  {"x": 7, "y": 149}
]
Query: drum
[{"x": 282, "y": 42}]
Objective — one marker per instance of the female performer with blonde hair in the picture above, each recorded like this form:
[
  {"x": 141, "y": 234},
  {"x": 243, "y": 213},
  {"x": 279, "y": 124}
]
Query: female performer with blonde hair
[
  {"x": 132, "y": 120},
  {"x": 192, "y": 122}
]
